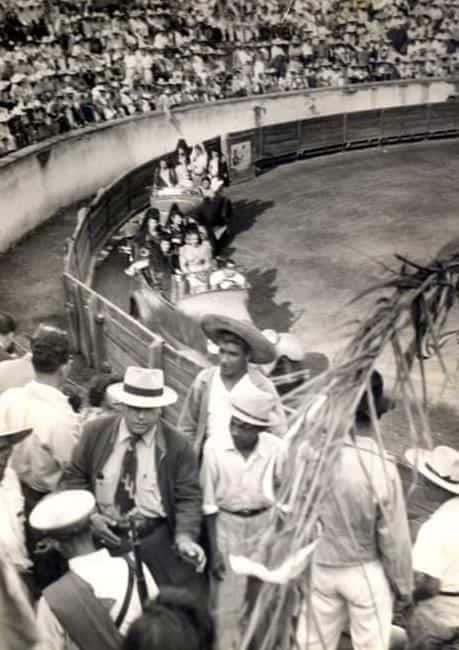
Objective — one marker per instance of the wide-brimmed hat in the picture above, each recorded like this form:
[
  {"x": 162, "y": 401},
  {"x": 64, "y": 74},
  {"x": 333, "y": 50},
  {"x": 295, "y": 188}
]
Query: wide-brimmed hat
[
  {"x": 13, "y": 437},
  {"x": 439, "y": 465},
  {"x": 142, "y": 388},
  {"x": 253, "y": 406},
  {"x": 261, "y": 350},
  {"x": 63, "y": 514},
  {"x": 290, "y": 346}
]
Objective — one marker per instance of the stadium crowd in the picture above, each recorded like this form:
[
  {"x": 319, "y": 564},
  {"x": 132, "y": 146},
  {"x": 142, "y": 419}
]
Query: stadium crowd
[{"x": 66, "y": 64}]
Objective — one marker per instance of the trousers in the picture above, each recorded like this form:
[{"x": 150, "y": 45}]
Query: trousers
[{"x": 355, "y": 596}]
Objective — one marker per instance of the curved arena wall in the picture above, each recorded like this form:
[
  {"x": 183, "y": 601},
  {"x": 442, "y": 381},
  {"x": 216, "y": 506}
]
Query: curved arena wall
[{"x": 38, "y": 180}]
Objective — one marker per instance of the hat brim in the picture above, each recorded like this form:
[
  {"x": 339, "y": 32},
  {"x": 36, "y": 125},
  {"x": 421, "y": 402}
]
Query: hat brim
[
  {"x": 261, "y": 350},
  {"x": 13, "y": 437},
  {"x": 419, "y": 458},
  {"x": 117, "y": 393},
  {"x": 246, "y": 417}
]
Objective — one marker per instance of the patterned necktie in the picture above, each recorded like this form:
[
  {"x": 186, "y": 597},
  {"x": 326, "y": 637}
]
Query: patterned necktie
[{"x": 125, "y": 491}]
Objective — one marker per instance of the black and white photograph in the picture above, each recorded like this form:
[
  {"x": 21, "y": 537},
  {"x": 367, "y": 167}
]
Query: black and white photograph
[{"x": 229, "y": 325}]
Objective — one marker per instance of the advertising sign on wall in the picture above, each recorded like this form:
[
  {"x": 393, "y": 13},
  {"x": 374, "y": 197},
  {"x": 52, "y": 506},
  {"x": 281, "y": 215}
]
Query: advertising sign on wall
[{"x": 241, "y": 155}]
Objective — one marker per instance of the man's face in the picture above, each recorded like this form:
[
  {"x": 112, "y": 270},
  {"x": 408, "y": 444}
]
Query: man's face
[
  {"x": 233, "y": 359},
  {"x": 140, "y": 421},
  {"x": 245, "y": 435}
]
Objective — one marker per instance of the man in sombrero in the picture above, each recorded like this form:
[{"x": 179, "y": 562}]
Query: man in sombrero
[
  {"x": 207, "y": 408},
  {"x": 434, "y": 622}
]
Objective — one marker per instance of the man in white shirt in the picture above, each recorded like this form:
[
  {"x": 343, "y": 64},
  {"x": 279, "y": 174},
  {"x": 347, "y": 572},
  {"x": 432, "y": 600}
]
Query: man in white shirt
[
  {"x": 99, "y": 596},
  {"x": 207, "y": 408},
  {"x": 39, "y": 461},
  {"x": 239, "y": 473},
  {"x": 435, "y": 618}
]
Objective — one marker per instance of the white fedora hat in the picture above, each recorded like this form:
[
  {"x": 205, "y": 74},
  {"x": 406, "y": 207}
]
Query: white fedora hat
[
  {"x": 142, "y": 388},
  {"x": 439, "y": 465},
  {"x": 253, "y": 406}
]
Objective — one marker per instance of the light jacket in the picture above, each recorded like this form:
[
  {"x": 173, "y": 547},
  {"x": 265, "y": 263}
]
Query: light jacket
[
  {"x": 364, "y": 515},
  {"x": 176, "y": 466}
]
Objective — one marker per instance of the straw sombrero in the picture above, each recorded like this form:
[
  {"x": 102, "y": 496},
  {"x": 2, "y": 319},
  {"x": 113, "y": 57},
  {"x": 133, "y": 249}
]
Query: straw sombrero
[
  {"x": 439, "y": 465},
  {"x": 261, "y": 350}
]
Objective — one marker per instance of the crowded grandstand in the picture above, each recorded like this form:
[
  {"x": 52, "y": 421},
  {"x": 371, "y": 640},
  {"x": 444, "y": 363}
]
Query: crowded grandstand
[{"x": 66, "y": 65}]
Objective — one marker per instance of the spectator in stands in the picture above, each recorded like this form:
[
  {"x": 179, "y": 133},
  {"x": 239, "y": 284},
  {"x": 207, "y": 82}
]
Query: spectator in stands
[
  {"x": 147, "y": 58},
  {"x": 195, "y": 259}
]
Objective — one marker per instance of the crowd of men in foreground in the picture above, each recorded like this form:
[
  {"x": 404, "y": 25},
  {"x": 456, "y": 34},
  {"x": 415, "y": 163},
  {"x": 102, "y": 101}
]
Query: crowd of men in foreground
[
  {"x": 117, "y": 528},
  {"x": 65, "y": 65}
]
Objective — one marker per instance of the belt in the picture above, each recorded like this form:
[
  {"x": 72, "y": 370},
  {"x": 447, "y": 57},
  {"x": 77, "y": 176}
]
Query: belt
[
  {"x": 245, "y": 512},
  {"x": 144, "y": 527}
]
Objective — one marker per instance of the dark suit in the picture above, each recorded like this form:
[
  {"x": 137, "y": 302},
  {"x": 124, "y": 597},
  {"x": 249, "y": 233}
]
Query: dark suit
[{"x": 178, "y": 483}]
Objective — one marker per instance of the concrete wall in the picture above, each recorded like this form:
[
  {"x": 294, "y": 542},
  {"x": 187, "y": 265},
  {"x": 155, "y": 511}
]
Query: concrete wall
[{"x": 37, "y": 181}]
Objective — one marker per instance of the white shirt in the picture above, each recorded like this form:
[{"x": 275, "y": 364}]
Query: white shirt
[
  {"x": 219, "y": 410},
  {"x": 436, "y": 551},
  {"x": 108, "y": 577},
  {"x": 232, "y": 482},
  {"x": 41, "y": 458},
  {"x": 12, "y": 540}
]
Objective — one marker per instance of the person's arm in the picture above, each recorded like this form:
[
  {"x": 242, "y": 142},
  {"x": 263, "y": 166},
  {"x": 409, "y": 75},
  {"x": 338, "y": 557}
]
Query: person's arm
[
  {"x": 393, "y": 538},
  {"x": 183, "y": 262},
  {"x": 208, "y": 478},
  {"x": 189, "y": 416},
  {"x": 52, "y": 635},
  {"x": 187, "y": 494},
  {"x": 77, "y": 474}
]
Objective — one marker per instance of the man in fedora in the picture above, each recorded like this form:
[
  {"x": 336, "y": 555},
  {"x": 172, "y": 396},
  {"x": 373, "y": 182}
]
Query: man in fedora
[
  {"x": 98, "y": 597},
  {"x": 434, "y": 621},
  {"x": 207, "y": 408},
  {"x": 135, "y": 465},
  {"x": 362, "y": 562},
  {"x": 236, "y": 470}
]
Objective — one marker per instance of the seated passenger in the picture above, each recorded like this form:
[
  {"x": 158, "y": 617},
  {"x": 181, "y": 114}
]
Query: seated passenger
[
  {"x": 176, "y": 226},
  {"x": 198, "y": 163},
  {"x": 149, "y": 231},
  {"x": 195, "y": 261},
  {"x": 218, "y": 169},
  {"x": 206, "y": 189},
  {"x": 164, "y": 177},
  {"x": 183, "y": 170},
  {"x": 227, "y": 277}
]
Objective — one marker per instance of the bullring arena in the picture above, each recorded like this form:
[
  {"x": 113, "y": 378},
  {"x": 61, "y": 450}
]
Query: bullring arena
[{"x": 337, "y": 184}]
